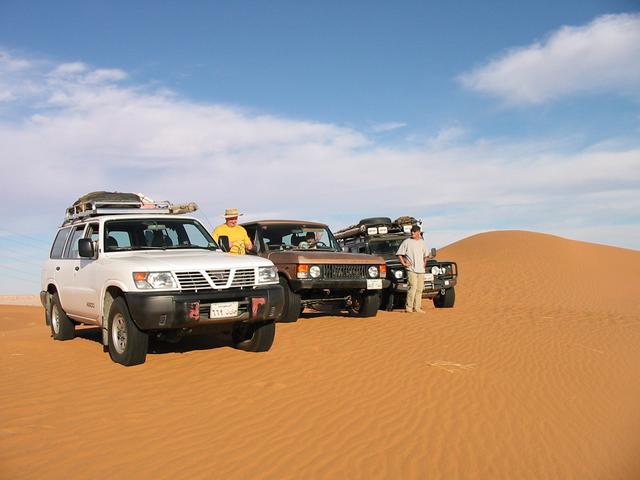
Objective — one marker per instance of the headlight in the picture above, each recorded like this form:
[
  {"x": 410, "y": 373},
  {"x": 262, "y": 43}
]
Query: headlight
[
  {"x": 373, "y": 272},
  {"x": 398, "y": 274},
  {"x": 435, "y": 270},
  {"x": 147, "y": 280},
  {"x": 314, "y": 271},
  {"x": 267, "y": 274}
]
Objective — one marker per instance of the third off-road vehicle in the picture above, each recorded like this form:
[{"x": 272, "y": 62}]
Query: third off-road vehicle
[{"x": 381, "y": 236}]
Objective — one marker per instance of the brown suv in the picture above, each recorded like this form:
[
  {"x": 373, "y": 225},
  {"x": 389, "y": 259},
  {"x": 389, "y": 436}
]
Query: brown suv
[{"x": 314, "y": 270}]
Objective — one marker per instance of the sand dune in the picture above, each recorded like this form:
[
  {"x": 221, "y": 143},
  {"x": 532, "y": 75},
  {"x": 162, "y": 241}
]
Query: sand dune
[{"x": 534, "y": 374}]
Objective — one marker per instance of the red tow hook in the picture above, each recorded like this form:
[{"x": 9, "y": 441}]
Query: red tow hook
[
  {"x": 193, "y": 309},
  {"x": 256, "y": 303}
]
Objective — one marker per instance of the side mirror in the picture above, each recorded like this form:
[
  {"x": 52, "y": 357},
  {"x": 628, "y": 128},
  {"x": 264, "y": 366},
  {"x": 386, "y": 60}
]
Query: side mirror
[
  {"x": 223, "y": 240},
  {"x": 85, "y": 248},
  {"x": 433, "y": 253}
]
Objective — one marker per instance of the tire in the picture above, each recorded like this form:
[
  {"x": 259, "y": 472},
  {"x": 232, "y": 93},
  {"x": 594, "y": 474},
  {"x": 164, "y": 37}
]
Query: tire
[
  {"x": 447, "y": 300},
  {"x": 364, "y": 305},
  {"x": 375, "y": 221},
  {"x": 253, "y": 337},
  {"x": 47, "y": 313},
  {"x": 388, "y": 301},
  {"x": 128, "y": 345},
  {"x": 292, "y": 308},
  {"x": 62, "y": 328}
]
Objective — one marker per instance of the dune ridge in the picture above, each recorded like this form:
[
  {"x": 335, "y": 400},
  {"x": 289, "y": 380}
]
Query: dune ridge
[{"x": 514, "y": 382}]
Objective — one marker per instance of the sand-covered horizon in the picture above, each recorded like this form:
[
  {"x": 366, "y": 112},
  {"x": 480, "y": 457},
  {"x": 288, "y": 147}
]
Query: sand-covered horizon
[{"x": 534, "y": 374}]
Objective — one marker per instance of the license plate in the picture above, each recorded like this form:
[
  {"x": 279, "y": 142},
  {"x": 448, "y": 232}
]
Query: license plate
[
  {"x": 428, "y": 277},
  {"x": 223, "y": 310},
  {"x": 375, "y": 284}
]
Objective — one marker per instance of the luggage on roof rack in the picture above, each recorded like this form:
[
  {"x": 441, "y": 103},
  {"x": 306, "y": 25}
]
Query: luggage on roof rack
[
  {"x": 407, "y": 220},
  {"x": 110, "y": 203}
]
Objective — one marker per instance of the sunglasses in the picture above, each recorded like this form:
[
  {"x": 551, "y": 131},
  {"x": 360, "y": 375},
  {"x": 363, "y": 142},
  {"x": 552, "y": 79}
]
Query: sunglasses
[{"x": 232, "y": 218}]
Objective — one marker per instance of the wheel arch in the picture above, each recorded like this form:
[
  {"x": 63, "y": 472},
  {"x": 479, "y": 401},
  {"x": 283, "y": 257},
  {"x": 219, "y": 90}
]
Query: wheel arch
[{"x": 111, "y": 292}]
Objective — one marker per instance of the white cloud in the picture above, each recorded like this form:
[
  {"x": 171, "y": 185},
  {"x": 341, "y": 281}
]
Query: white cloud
[
  {"x": 602, "y": 56},
  {"x": 446, "y": 137},
  {"x": 69, "y": 69},
  {"x": 387, "y": 127},
  {"x": 9, "y": 63},
  {"x": 73, "y": 137}
]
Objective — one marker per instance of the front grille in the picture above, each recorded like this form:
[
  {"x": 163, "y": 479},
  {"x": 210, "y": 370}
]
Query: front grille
[
  {"x": 219, "y": 278},
  {"x": 345, "y": 271},
  {"x": 212, "y": 280},
  {"x": 192, "y": 281},
  {"x": 245, "y": 277}
]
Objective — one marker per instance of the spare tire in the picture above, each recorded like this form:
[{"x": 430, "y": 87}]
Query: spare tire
[{"x": 375, "y": 221}]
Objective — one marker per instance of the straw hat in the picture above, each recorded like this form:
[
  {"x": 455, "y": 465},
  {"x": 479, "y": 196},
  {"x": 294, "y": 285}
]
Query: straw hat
[{"x": 232, "y": 212}]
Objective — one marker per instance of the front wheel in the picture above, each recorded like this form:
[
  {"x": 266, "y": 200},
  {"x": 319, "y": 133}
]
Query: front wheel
[
  {"x": 447, "y": 300},
  {"x": 127, "y": 344},
  {"x": 62, "y": 328},
  {"x": 253, "y": 337},
  {"x": 292, "y": 307},
  {"x": 364, "y": 305}
]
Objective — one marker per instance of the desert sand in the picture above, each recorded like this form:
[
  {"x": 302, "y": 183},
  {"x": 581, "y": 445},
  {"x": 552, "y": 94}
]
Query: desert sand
[{"x": 534, "y": 374}]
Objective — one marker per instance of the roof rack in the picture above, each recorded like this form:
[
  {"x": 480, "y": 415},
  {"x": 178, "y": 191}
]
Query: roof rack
[
  {"x": 133, "y": 204},
  {"x": 368, "y": 227}
]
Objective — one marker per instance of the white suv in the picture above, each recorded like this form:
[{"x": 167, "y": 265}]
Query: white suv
[{"x": 147, "y": 272}]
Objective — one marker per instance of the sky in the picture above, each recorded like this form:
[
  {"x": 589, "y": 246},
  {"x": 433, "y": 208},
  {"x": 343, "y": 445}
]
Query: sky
[{"x": 472, "y": 116}]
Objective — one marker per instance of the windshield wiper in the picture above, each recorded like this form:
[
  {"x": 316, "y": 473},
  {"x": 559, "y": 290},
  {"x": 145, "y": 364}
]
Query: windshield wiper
[{"x": 199, "y": 247}]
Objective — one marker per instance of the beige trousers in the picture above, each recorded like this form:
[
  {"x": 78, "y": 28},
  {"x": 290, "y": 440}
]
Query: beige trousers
[{"x": 414, "y": 293}]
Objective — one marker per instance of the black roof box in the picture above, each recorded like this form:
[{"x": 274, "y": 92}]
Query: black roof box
[{"x": 375, "y": 221}]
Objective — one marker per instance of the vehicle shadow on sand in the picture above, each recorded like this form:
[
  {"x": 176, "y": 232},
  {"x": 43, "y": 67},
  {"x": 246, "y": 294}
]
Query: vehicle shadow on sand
[{"x": 157, "y": 346}]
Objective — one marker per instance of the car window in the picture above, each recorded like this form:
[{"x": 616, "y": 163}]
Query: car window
[
  {"x": 122, "y": 239},
  {"x": 388, "y": 246},
  {"x": 251, "y": 233},
  {"x": 71, "y": 250},
  {"x": 298, "y": 237},
  {"x": 93, "y": 232},
  {"x": 194, "y": 236},
  {"x": 58, "y": 243},
  {"x": 156, "y": 233}
]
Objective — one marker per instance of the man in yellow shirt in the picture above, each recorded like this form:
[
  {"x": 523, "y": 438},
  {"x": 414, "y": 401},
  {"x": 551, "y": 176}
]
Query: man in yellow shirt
[{"x": 239, "y": 241}]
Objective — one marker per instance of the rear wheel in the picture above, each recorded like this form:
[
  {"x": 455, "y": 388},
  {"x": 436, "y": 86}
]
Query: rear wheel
[
  {"x": 128, "y": 345},
  {"x": 364, "y": 305},
  {"x": 447, "y": 300},
  {"x": 62, "y": 328},
  {"x": 253, "y": 337},
  {"x": 388, "y": 301},
  {"x": 292, "y": 307}
]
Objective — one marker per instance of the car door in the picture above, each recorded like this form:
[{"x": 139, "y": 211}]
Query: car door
[
  {"x": 54, "y": 265},
  {"x": 65, "y": 274},
  {"x": 84, "y": 278}
]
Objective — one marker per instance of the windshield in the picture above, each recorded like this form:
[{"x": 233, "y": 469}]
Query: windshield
[
  {"x": 156, "y": 233},
  {"x": 385, "y": 247},
  {"x": 297, "y": 237}
]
